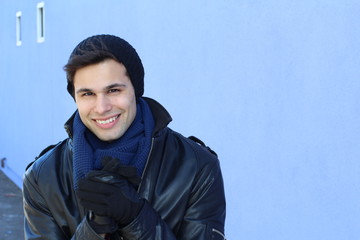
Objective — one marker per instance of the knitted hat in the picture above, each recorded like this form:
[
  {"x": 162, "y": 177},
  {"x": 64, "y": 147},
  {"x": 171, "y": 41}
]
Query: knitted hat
[{"x": 123, "y": 53}]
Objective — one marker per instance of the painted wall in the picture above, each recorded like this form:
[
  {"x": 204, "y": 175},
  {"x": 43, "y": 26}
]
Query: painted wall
[{"x": 273, "y": 86}]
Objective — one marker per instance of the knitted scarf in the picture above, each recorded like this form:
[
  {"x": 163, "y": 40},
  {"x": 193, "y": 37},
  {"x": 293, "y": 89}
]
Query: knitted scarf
[{"x": 132, "y": 148}]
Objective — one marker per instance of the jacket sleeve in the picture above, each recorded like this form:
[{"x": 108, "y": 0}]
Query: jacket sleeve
[
  {"x": 204, "y": 218},
  {"x": 205, "y": 215},
  {"x": 39, "y": 222}
]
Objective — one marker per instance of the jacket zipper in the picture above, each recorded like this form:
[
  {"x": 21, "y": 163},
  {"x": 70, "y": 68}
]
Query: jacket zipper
[
  {"x": 147, "y": 162},
  {"x": 218, "y": 232}
]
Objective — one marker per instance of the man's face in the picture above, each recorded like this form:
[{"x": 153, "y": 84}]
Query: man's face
[{"x": 105, "y": 99}]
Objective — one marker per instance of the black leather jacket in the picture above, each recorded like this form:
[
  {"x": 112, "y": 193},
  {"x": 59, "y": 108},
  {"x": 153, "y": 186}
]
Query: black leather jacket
[{"x": 182, "y": 185}]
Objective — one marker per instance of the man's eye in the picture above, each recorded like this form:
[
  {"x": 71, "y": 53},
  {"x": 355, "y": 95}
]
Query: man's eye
[
  {"x": 113, "y": 90},
  {"x": 88, "y": 94}
]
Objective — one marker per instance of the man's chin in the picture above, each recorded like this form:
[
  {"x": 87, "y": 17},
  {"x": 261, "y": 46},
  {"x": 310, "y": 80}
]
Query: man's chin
[{"x": 107, "y": 137}]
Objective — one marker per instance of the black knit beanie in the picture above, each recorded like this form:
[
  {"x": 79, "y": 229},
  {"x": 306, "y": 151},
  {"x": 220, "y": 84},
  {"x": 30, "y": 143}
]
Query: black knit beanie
[{"x": 123, "y": 53}]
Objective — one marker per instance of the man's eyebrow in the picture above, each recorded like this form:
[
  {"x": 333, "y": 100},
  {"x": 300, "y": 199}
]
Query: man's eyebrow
[
  {"x": 81, "y": 90},
  {"x": 115, "y": 85}
]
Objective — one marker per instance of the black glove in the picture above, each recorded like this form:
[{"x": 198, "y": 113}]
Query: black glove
[
  {"x": 113, "y": 165},
  {"x": 108, "y": 193},
  {"x": 102, "y": 224}
]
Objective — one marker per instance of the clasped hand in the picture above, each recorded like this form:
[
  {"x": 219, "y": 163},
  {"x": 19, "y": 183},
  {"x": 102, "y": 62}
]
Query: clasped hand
[{"x": 110, "y": 192}]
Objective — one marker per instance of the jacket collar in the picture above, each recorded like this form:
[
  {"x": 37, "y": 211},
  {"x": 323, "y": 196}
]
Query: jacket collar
[{"x": 161, "y": 117}]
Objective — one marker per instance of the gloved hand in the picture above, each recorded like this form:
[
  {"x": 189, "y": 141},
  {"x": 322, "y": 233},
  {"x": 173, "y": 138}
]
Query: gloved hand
[
  {"x": 113, "y": 165},
  {"x": 102, "y": 224},
  {"x": 108, "y": 192}
]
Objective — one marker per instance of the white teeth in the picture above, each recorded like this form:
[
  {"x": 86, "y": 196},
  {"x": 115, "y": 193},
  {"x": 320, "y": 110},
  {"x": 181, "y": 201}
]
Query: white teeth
[{"x": 107, "y": 121}]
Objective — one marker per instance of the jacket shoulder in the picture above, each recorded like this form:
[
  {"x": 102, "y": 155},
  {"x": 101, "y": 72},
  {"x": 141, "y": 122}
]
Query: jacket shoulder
[
  {"x": 200, "y": 152},
  {"x": 202, "y": 144},
  {"x": 45, "y": 150},
  {"x": 47, "y": 157}
]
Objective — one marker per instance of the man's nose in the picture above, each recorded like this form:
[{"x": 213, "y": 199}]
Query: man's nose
[{"x": 103, "y": 104}]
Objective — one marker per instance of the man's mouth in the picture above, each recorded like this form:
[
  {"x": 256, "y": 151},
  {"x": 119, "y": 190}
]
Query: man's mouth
[{"x": 107, "y": 121}]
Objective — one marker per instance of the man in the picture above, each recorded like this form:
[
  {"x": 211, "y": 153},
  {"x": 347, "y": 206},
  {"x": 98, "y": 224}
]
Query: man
[{"x": 121, "y": 173}]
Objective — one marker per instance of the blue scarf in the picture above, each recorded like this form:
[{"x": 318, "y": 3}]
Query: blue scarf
[{"x": 132, "y": 148}]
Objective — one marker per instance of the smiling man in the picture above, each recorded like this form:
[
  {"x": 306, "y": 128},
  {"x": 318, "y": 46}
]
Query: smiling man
[
  {"x": 122, "y": 173},
  {"x": 105, "y": 99}
]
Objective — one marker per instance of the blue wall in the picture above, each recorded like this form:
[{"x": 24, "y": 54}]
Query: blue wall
[{"x": 273, "y": 86}]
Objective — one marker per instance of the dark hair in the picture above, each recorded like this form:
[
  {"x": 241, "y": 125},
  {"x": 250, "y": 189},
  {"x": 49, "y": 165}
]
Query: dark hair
[
  {"x": 79, "y": 61},
  {"x": 99, "y": 48}
]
